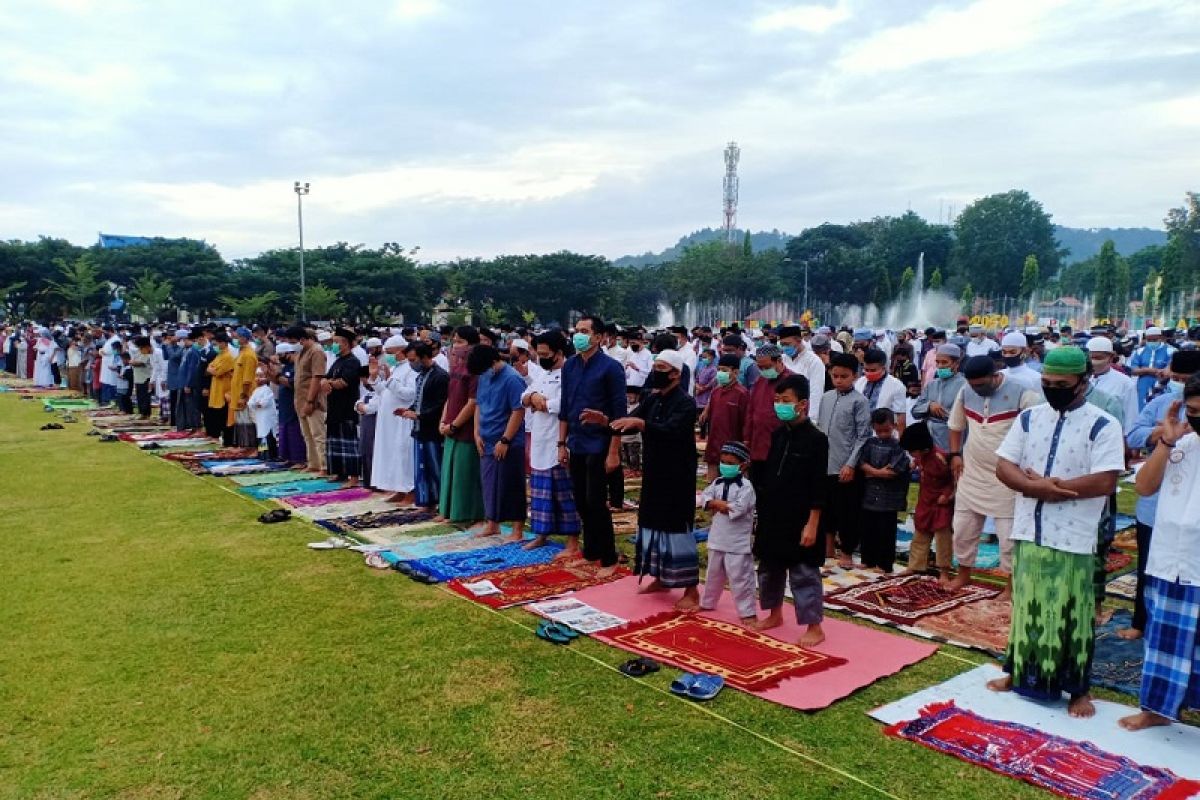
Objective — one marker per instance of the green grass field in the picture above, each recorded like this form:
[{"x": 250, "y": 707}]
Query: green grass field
[{"x": 159, "y": 643}]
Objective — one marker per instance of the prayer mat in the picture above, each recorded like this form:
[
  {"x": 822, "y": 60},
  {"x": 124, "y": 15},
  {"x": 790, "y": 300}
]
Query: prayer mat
[
  {"x": 1124, "y": 522},
  {"x": 377, "y": 539},
  {"x": 1117, "y": 561},
  {"x": 1117, "y": 663},
  {"x": 835, "y": 577},
  {"x": 1063, "y": 766},
  {"x": 981, "y": 625},
  {"x": 224, "y": 454},
  {"x": 278, "y": 491},
  {"x": 1123, "y": 586},
  {"x": 1127, "y": 541},
  {"x": 271, "y": 477},
  {"x": 988, "y": 556},
  {"x": 744, "y": 658},
  {"x": 400, "y": 545},
  {"x": 69, "y": 404},
  {"x": 240, "y": 466},
  {"x": 334, "y": 510},
  {"x": 906, "y": 599},
  {"x": 177, "y": 444},
  {"x": 165, "y": 436},
  {"x": 576, "y": 615},
  {"x": 325, "y": 498},
  {"x": 448, "y": 566},
  {"x": 382, "y": 519},
  {"x": 520, "y": 585}
]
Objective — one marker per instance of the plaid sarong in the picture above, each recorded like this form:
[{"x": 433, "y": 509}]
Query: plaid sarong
[
  {"x": 1171, "y": 673},
  {"x": 341, "y": 449},
  {"x": 552, "y": 503},
  {"x": 671, "y": 557}
]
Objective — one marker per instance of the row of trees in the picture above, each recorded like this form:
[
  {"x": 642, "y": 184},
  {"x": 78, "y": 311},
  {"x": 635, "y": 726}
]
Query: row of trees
[{"x": 1000, "y": 246}]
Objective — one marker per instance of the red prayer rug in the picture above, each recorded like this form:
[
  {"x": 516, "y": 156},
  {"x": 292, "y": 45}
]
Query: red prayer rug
[
  {"x": 225, "y": 454},
  {"x": 1117, "y": 561},
  {"x": 982, "y": 625},
  {"x": 746, "y": 659},
  {"x": 1063, "y": 766},
  {"x": 906, "y": 599},
  {"x": 521, "y": 585}
]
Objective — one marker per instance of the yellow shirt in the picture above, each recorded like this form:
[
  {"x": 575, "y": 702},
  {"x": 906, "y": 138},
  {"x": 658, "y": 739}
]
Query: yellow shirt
[
  {"x": 242, "y": 383},
  {"x": 221, "y": 370}
]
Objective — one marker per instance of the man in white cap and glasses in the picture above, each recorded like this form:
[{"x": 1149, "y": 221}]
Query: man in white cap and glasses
[
  {"x": 1014, "y": 348},
  {"x": 1149, "y": 362},
  {"x": 1112, "y": 382},
  {"x": 979, "y": 344}
]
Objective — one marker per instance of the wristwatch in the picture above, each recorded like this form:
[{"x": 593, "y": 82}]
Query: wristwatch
[
  {"x": 452, "y": 428},
  {"x": 955, "y": 453},
  {"x": 504, "y": 440}
]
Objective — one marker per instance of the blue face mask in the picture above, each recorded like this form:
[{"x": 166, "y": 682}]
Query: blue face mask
[
  {"x": 790, "y": 350},
  {"x": 944, "y": 372},
  {"x": 390, "y": 360},
  {"x": 729, "y": 470},
  {"x": 785, "y": 411},
  {"x": 582, "y": 341},
  {"x": 335, "y": 349},
  {"x": 770, "y": 373},
  {"x": 1175, "y": 387}
]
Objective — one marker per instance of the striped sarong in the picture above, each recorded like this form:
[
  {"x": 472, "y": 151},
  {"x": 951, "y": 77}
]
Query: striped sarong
[
  {"x": 552, "y": 503},
  {"x": 341, "y": 449},
  {"x": 1171, "y": 672},
  {"x": 671, "y": 557}
]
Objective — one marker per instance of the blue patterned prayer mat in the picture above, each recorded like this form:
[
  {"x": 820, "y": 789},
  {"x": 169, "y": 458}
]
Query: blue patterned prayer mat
[
  {"x": 274, "y": 491},
  {"x": 1117, "y": 664},
  {"x": 470, "y": 563}
]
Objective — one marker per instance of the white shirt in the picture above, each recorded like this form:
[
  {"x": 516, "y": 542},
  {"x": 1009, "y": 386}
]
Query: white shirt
[
  {"x": 980, "y": 348},
  {"x": 1124, "y": 388},
  {"x": 263, "y": 410},
  {"x": 617, "y": 353},
  {"x": 543, "y": 426},
  {"x": 810, "y": 365},
  {"x": 107, "y": 376},
  {"x": 690, "y": 359},
  {"x": 637, "y": 367},
  {"x": 1026, "y": 376},
  {"x": 1082, "y": 442},
  {"x": 442, "y": 361},
  {"x": 890, "y": 394},
  {"x": 1175, "y": 546}
]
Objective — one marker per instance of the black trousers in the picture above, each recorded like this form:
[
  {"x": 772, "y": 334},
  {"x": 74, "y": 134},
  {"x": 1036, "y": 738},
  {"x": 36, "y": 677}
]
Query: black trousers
[
  {"x": 842, "y": 511},
  {"x": 1144, "y": 533},
  {"x": 175, "y": 395},
  {"x": 214, "y": 421},
  {"x": 616, "y": 487},
  {"x": 143, "y": 398},
  {"x": 878, "y": 538},
  {"x": 589, "y": 484}
]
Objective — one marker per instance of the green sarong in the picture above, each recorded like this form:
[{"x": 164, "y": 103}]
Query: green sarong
[
  {"x": 461, "y": 497},
  {"x": 1051, "y": 642}
]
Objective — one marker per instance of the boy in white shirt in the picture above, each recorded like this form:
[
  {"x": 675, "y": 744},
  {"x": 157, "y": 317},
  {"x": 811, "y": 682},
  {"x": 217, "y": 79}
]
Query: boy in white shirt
[{"x": 730, "y": 538}]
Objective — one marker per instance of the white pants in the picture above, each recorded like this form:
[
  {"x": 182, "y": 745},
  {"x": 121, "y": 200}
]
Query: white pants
[
  {"x": 738, "y": 568},
  {"x": 968, "y": 528}
]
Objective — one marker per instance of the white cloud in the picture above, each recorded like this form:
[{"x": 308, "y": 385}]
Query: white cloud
[
  {"x": 415, "y": 9},
  {"x": 807, "y": 18}
]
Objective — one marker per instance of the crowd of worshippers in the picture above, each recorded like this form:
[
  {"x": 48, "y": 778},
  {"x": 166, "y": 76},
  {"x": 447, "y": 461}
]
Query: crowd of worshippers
[{"x": 810, "y": 440}]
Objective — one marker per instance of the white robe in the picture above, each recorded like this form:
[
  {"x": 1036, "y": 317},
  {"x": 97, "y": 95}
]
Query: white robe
[
  {"x": 263, "y": 411},
  {"x": 23, "y": 358},
  {"x": 393, "y": 468},
  {"x": 42, "y": 374}
]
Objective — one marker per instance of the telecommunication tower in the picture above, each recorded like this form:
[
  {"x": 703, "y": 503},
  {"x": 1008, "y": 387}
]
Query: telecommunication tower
[{"x": 730, "y": 194}]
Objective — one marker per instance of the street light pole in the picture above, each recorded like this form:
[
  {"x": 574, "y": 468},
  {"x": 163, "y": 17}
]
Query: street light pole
[
  {"x": 805, "y": 286},
  {"x": 301, "y": 190}
]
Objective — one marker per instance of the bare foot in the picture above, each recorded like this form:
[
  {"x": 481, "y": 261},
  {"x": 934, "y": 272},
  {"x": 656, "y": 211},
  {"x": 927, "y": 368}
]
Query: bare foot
[
  {"x": 513, "y": 537},
  {"x": 352, "y": 483},
  {"x": 568, "y": 554},
  {"x": 771, "y": 620},
  {"x": 1001, "y": 684},
  {"x": 845, "y": 564},
  {"x": 689, "y": 602},
  {"x": 608, "y": 572},
  {"x": 1103, "y": 615},
  {"x": 944, "y": 580},
  {"x": 1143, "y": 720},
  {"x": 960, "y": 582},
  {"x": 1129, "y": 634},
  {"x": 440, "y": 520},
  {"x": 535, "y": 543},
  {"x": 650, "y": 588},
  {"x": 1082, "y": 707},
  {"x": 749, "y": 622},
  {"x": 812, "y": 637}
]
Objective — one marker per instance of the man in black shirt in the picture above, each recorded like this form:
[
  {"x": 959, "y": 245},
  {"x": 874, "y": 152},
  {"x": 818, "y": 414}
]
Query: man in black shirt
[{"x": 340, "y": 387}]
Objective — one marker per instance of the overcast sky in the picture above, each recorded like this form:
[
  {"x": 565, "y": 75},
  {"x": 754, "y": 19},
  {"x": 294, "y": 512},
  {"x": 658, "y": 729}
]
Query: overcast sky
[{"x": 477, "y": 127}]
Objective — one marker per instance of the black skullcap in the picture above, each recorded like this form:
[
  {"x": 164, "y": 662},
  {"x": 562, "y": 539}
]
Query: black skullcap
[
  {"x": 730, "y": 360},
  {"x": 978, "y": 367},
  {"x": 1186, "y": 362},
  {"x": 843, "y": 360}
]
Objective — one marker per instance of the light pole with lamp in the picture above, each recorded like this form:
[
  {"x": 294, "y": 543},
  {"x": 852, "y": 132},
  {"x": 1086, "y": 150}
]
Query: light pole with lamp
[{"x": 301, "y": 189}]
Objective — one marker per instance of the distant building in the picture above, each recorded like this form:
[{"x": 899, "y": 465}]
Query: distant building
[
  {"x": 1059, "y": 310},
  {"x": 111, "y": 241}
]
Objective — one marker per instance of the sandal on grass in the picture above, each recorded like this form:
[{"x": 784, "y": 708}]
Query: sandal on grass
[
  {"x": 683, "y": 684},
  {"x": 278, "y": 515},
  {"x": 550, "y": 633},
  {"x": 706, "y": 687},
  {"x": 639, "y": 667}
]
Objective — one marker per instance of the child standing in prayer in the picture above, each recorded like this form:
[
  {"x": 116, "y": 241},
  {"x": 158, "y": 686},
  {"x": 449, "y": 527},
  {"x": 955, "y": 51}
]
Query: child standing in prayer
[
  {"x": 725, "y": 413},
  {"x": 731, "y": 499},
  {"x": 124, "y": 383},
  {"x": 265, "y": 414},
  {"x": 935, "y": 503},
  {"x": 845, "y": 419},
  {"x": 790, "y": 498},
  {"x": 885, "y": 469}
]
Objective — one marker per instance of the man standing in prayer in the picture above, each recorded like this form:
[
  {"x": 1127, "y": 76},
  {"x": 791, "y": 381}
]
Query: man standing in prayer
[
  {"x": 938, "y": 396},
  {"x": 220, "y": 373},
  {"x": 666, "y": 545},
  {"x": 800, "y": 359},
  {"x": 242, "y": 385},
  {"x": 340, "y": 387},
  {"x": 291, "y": 439},
  {"x": 461, "y": 491},
  {"x": 881, "y": 389},
  {"x": 500, "y": 440},
  {"x": 432, "y": 385},
  {"x": 1062, "y": 458},
  {"x": 1014, "y": 348},
  {"x": 984, "y": 412},
  {"x": 395, "y": 389},
  {"x": 760, "y": 420},
  {"x": 310, "y": 402},
  {"x": 1149, "y": 362},
  {"x": 1110, "y": 381}
]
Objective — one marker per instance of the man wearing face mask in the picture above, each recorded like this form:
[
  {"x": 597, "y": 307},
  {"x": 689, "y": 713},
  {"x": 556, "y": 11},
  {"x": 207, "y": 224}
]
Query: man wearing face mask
[
  {"x": 978, "y": 344},
  {"x": 1014, "y": 348},
  {"x": 187, "y": 411},
  {"x": 551, "y": 499},
  {"x": 291, "y": 440},
  {"x": 637, "y": 361},
  {"x": 799, "y": 359},
  {"x": 433, "y": 385},
  {"x": 880, "y": 388},
  {"x": 982, "y": 415},
  {"x": 938, "y": 396},
  {"x": 340, "y": 387},
  {"x": 1149, "y": 362},
  {"x": 1146, "y": 432},
  {"x": 1109, "y": 380},
  {"x": 760, "y": 420},
  {"x": 1062, "y": 458},
  {"x": 666, "y": 546},
  {"x": 392, "y": 466}
]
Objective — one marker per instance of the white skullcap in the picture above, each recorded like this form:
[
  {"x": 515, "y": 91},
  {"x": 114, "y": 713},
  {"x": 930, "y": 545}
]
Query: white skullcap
[
  {"x": 1014, "y": 339},
  {"x": 283, "y": 348},
  {"x": 1154, "y": 330},
  {"x": 324, "y": 336},
  {"x": 1099, "y": 344},
  {"x": 672, "y": 357},
  {"x": 520, "y": 344},
  {"x": 182, "y": 333},
  {"x": 394, "y": 341},
  {"x": 374, "y": 341}
]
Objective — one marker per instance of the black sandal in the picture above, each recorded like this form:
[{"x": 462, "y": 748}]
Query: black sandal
[
  {"x": 278, "y": 515},
  {"x": 639, "y": 667}
]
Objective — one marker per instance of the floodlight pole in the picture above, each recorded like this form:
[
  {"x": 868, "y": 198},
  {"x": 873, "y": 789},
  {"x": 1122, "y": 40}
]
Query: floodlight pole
[{"x": 301, "y": 190}]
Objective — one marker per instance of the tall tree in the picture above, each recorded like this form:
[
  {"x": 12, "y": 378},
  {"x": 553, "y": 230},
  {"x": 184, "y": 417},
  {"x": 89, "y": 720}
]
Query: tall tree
[
  {"x": 935, "y": 281},
  {"x": 1030, "y": 277},
  {"x": 747, "y": 247},
  {"x": 1183, "y": 244},
  {"x": 995, "y": 234},
  {"x": 79, "y": 286},
  {"x": 967, "y": 299},
  {"x": 257, "y": 308},
  {"x": 321, "y": 302},
  {"x": 881, "y": 295},
  {"x": 1121, "y": 286},
  {"x": 149, "y": 296},
  {"x": 1106, "y": 274},
  {"x": 906, "y": 282}
]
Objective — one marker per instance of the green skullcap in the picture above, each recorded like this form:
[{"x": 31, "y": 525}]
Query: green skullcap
[{"x": 1065, "y": 361}]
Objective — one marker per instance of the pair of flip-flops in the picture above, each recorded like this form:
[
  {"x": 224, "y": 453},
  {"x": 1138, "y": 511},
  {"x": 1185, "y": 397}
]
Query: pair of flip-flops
[
  {"x": 639, "y": 667},
  {"x": 556, "y": 632},
  {"x": 93, "y": 432},
  {"x": 278, "y": 515},
  {"x": 52, "y": 426},
  {"x": 699, "y": 686},
  {"x": 404, "y": 568},
  {"x": 109, "y": 437}
]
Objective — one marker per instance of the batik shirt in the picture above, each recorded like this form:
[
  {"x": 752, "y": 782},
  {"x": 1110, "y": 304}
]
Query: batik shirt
[{"x": 1076, "y": 443}]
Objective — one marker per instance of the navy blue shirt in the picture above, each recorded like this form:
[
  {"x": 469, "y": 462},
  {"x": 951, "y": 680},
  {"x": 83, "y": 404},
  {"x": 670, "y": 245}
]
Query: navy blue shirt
[
  {"x": 599, "y": 384},
  {"x": 498, "y": 395}
]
